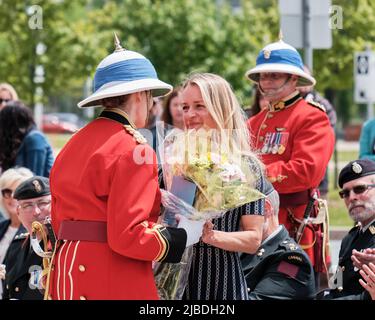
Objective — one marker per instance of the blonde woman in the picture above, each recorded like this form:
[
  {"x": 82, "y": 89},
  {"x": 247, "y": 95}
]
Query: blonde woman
[
  {"x": 208, "y": 102},
  {"x": 9, "y": 228},
  {"x": 7, "y": 93}
]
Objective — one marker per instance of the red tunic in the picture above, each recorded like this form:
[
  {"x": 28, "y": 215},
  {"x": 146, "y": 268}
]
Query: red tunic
[
  {"x": 95, "y": 178},
  {"x": 296, "y": 143}
]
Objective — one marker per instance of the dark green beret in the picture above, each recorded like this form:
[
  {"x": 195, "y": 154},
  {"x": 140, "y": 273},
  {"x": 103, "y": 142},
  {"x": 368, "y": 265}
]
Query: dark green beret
[
  {"x": 34, "y": 187},
  {"x": 356, "y": 169}
]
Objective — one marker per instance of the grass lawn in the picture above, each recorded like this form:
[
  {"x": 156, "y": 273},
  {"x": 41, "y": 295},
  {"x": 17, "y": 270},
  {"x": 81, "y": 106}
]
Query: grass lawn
[
  {"x": 58, "y": 140},
  {"x": 346, "y": 156},
  {"x": 338, "y": 214}
]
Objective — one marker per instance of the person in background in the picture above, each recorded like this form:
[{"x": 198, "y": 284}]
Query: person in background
[
  {"x": 280, "y": 270},
  {"x": 171, "y": 117},
  {"x": 357, "y": 180},
  {"x": 11, "y": 227},
  {"x": 172, "y": 112},
  {"x": 21, "y": 143},
  {"x": 7, "y": 93},
  {"x": 295, "y": 142},
  {"x": 24, "y": 267},
  {"x": 367, "y": 141}
]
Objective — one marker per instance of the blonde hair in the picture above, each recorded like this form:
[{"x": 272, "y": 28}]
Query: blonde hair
[
  {"x": 11, "y": 176},
  {"x": 225, "y": 109},
  {"x": 7, "y": 87}
]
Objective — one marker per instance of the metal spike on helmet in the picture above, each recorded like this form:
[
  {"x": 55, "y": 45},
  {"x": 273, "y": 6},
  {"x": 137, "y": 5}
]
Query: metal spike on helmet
[{"x": 118, "y": 46}]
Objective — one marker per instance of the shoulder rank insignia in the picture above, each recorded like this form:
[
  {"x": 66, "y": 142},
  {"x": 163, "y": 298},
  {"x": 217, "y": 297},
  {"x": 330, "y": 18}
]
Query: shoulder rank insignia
[
  {"x": 372, "y": 229},
  {"x": 317, "y": 105},
  {"x": 295, "y": 258},
  {"x": 21, "y": 236},
  {"x": 136, "y": 134}
]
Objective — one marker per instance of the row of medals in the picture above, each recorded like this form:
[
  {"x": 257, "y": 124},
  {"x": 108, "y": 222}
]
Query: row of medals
[{"x": 273, "y": 149}]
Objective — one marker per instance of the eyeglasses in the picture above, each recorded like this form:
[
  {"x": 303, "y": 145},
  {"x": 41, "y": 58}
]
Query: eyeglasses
[
  {"x": 345, "y": 193},
  {"x": 29, "y": 207},
  {"x": 7, "y": 193},
  {"x": 4, "y": 100}
]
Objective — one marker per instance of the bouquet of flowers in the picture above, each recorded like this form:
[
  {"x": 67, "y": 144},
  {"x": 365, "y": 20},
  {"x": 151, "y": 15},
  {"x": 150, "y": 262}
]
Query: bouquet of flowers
[{"x": 223, "y": 180}]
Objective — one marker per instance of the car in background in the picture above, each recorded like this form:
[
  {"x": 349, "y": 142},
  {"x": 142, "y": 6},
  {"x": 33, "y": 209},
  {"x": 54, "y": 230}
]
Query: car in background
[{"x": 61, "y": 122}]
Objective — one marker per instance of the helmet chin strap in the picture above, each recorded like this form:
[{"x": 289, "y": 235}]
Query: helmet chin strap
[
  {"x": 274, "y": 91},
  {"x": 148, "y": 98}
]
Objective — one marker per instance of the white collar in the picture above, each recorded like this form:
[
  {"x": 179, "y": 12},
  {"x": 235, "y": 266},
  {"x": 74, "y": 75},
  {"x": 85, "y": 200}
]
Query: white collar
[
  {"x": 363, "y": 229},
  {"x": 272, "y": 235}
]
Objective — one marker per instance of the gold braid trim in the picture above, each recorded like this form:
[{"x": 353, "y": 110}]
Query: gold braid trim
[
  {"x": 48, "y": 273},
  {"x": 38, "y": 228},
  {"x": 136, "y": 134}
]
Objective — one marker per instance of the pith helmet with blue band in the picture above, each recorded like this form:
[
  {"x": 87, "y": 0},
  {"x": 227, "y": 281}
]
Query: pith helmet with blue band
[
  {"x": 124, "y": 72},
  {"x": 280, "y": 57}
]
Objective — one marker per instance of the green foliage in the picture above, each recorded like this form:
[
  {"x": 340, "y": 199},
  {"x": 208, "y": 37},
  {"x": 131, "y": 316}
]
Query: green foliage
[
  {"x": 334, "y": 67},
  {"x": 184, "y": 36},
  {"x": 179, "y": 37},
  {"x": 69, "y": 54}
]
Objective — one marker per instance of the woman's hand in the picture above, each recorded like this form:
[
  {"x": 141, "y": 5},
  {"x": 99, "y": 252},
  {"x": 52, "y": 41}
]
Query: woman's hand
[
  {"x": 208, "y": 235},
  {"x": 247, "y": 240}
]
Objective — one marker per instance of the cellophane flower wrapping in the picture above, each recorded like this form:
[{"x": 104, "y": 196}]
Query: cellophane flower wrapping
[{"x": 224, "y": 181}]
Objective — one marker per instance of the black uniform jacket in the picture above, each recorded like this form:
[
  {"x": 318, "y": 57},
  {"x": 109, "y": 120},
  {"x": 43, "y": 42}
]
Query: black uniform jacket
[
  {"x": 279, "y": 270},
  {"x": 22, "y": 262},
  {"x": 351, "y": 289}
]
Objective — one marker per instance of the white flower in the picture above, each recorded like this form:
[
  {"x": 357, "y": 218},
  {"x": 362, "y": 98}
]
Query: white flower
[{"x": 231, "y": 172}]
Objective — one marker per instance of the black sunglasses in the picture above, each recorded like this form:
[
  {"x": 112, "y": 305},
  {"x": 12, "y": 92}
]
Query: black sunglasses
[
  {"x": 7, "y": 193},
  {"x": 4, "y": 100},
  {"x": 357, "y": 190}
]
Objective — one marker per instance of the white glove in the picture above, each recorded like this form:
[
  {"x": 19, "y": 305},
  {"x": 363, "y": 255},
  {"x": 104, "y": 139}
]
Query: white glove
[
  {"x": 193, "y": 229},
  {"x": 2, "y": 271}
]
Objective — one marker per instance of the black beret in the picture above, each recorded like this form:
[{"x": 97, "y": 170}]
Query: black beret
[
  {"x": 34, "y": 187},
  {"x": 356, "y": 169}
]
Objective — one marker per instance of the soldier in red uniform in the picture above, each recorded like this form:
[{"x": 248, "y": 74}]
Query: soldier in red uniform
[
  {"x": 294, "y": 138},
  {"x": 105, "y": 194}
]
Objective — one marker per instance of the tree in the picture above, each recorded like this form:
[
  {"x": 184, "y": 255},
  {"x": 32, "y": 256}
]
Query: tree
[
  {"x": 69, "y": 55},
  {"x": 183, "y": 36}
]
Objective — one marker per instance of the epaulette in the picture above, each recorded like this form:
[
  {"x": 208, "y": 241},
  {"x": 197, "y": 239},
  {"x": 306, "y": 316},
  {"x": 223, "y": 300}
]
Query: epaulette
[
  {"x": 317, "y": 105},
  {"x": 21, "y": 236},
  {"x": 355, "y": 228},
  {"x": 136, "y": 134}
]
